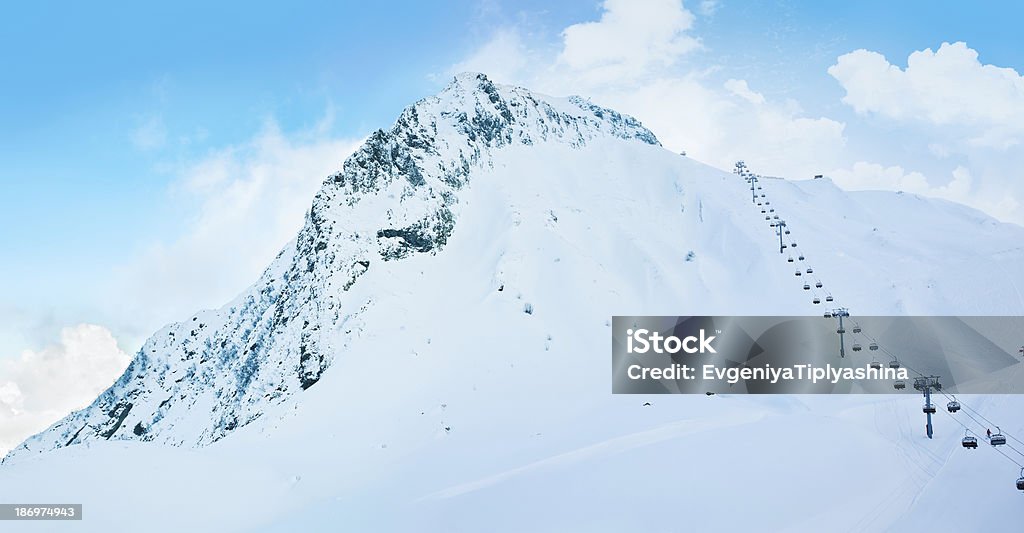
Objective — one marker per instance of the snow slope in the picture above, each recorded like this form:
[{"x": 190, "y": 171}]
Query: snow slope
[{"x": 460, "y": 380}]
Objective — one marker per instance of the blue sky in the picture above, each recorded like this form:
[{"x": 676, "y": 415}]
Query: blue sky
[{"x": 153, "y": 158}]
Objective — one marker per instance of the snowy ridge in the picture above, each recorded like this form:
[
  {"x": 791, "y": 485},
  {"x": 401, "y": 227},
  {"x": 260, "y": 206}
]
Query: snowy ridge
[{"x": 196, "y": 381}]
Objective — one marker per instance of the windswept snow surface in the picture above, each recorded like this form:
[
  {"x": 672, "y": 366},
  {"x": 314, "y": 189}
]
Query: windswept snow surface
[{"x": 440, "y": 404}]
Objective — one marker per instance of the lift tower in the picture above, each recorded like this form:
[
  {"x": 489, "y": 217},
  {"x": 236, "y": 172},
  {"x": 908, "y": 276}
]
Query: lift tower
[
  {"x": 780, "y": 226},
  {"x": 925, "y": 384},
  {"x": 841, "y": 313}
]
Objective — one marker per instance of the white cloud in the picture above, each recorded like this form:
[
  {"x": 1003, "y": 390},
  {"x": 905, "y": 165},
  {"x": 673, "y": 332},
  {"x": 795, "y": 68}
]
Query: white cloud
[
  {"x": 40, "y": 387},
  {"x": 740, "y": 88},
  {"x": 631, "y": 39},
  {"x": 247, "y": 202},
  {"x": 948, "y": 87}
]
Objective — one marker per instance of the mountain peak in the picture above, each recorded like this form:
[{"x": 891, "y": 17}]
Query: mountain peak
[{"x": 398, "y": 195}]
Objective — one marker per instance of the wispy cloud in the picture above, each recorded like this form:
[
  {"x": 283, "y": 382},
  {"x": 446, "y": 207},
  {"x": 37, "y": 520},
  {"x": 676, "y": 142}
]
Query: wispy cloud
[
  {"x": 708, "y": 7},
  {"x": 150, "y": 134}
]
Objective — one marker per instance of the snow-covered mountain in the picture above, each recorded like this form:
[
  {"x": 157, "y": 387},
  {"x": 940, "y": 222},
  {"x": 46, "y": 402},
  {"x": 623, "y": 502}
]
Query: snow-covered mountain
[
  {"x": 196, "y": 381},
  {"x": 431, "y": 352}
]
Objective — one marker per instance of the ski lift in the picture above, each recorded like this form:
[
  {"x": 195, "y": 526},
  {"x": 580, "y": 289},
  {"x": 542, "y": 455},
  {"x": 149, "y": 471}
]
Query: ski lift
[
  {"x": 899, "y": 385},
  {"x": 801, "y": 257},
  {"x": 827, "y": 314},
  {"x": 856, "y": 329},
  {"x": 1020, "y": 480},
  {"x": 894, "y": 364},
  {"x": 807, "y": 286},
  {"x": 816, "y": 300},
  {"x": 971, "y": 442},
  {"x": 810, "y": 271},
  {"x": 762, "y": 194},
  {"x": 873, "y": 346},
  {"x": 763, "y": 211},
  {"x": 818, "y": 285},
  {"x": 877, "y": 366},
  {"x": 794, "y": 245},
  {"x": 829, "y": 298},
  {"x": 997, "y": 438},
  {"x": 856, "y": 347},
  {"x": 767, "y": 217},
  {"x": 797, "y": 273},
  {"x": 790, "y": 260},
  {"x": 772, "y": 210},
  {"x": 841, "y": 330},
  {"x": 953, "y": 406},
  {"x": 787, "y": 232},
  {"x": 929, "y": 409}
]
